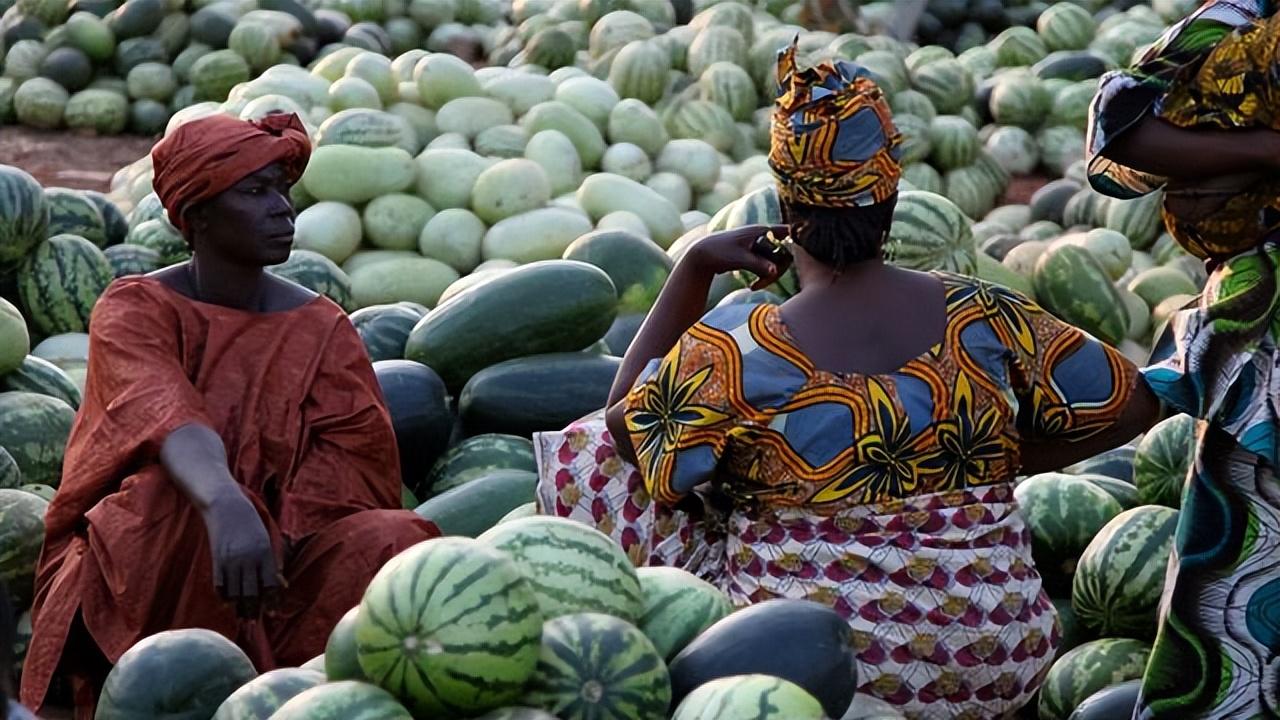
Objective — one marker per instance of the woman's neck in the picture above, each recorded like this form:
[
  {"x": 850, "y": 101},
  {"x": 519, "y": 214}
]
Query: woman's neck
[{"x": 220, "y": 282}]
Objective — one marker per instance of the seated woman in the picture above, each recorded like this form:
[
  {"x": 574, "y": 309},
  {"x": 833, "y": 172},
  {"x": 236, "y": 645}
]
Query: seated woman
[
  {"x": 858, "y": 445},
  {"x": 233, "y": 446}
]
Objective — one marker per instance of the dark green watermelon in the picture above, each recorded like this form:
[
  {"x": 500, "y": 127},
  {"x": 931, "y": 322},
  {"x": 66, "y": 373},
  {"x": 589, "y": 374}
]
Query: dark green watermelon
[
  {"x": 1110, "y": 703},
  {"x": 537, "y": 393},
  {"x": 36, "y": 375},
  {"x": 1116, "y": 463},
  {"x": 420, "y": 412},
  {"x": 340, "y": 651},
  {"x": 259, "y": 698},
  {"x": 174, "y": 675},
  {"x": 622, "y": 332},
  {"x": 116, "y": 224},
  {"x": 21, "y": 535},
  {"x": 385, "y": 329},
  {"x": 10, "y": 474},
  {"x": 129, "y": 259}
]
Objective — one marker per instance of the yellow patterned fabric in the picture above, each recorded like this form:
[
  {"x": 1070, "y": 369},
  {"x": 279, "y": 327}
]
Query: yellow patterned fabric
[{"x": 833, "y": 141}]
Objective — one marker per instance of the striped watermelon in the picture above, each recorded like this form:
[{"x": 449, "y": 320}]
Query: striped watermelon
[
  {"x": 749, "y": 697},
  {"x": 114, "y": 220},
  {"x": 60, "y": 282},
  {"x": 1073, "y": 285},
  {"x": 129, "y": 259},
  {"x": 345, "y": 700},
  {"x": 476, "y": 457},
  {"x": 21, "y": 642},
  {"x": 927, "y": 55},
  {"x": 263, "y": 695},
  {"x": 1060, "y": 147},
  {"x": 913, "y": 102},
  {"x": 318, "y": 274},
  {"x": 10, "y": 473},
  {"x": 701, "y": 120},
  {"x": 34, "y": 429},
  {"x": 1063, "y": 512},
  {"x": 922, "y": 176},
  {"x": 21, "y": 536},
  {"x": 24, "y": 215},
  {"x": 1138, "y": 219},
  {"x": 385, "y": 329},
  {"x": 1018, "y": 46},
  {"x": 572, "y": 567},
  {"x": 730, "y": 86},
  {"x": 1014, "y": 149},
  {"x": 954, "y": 141},
  {"x": 42, "y": 377},
  {"x": 340, "y": 658},
  {"x": 256, "y": 43},
  {"x": 716, "y": 43},
  {"x": 1123, "y": 492},
  {"x": 971, "y": 189},
  {"x": 1071, "y": 105},
  {"x": 450, "y": 627},
  {"x": 888, "y": 70},
  {"x": 678, "y": 606},
  {"x": 1121, "y": 573},
  {"x": 15, "y": 340},
  {"x": 1072, "y": 633},
  {"x": 1064, "y": 26},
  {"x": 930, "y": 233},
  {"x": 160, "y": 236},
  {"x": 44, "y": 492},
  {"x": 214, "y": 75},
  {"x": 640, "y": 71},
  {"x": 71, "y": 213},
  {"x": 947, "y": 84},
  {"x": 367, "y": 127},
  {"x": 916, "y": 144},
  {"x": 1162, "y": 460},
  {"x": 1020, "y": 99},
  {"x": 144, "y": 684},
  {"x": 551, "y": 48},
  {"x": 1086, "y": 670},
  {"x": 598, "y": 667}
]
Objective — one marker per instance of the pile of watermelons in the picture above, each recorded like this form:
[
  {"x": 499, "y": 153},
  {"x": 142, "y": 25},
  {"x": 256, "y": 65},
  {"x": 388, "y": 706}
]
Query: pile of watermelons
[{"x": 498, "y": 234}]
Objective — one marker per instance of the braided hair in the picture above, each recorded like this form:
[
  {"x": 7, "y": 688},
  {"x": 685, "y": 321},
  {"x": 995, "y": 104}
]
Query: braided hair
[{"x": 838, "y": 236}]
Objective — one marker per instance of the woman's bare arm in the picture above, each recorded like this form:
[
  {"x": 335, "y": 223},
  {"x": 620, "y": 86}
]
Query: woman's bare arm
[
  {"x": 1162, "y": 148},
  {"x": 1140, "y": 413}
]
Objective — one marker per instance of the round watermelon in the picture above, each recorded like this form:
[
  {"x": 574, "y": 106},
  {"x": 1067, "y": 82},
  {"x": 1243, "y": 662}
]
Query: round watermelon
[
  {"x": 318, "y": 274},
  {"x": 930, "y": 233},
  {"x": 1163, "y": 459},
  {"x": 450, "y": 627},
  {"x": 175, "y": 673},
  {"x": 40, "y": 376},
  {"x": 1086, "y": 670},
  {"x": 1121, "y": 574},
  {"x": 10, "y": 474},
  {"x": 345, "y": 700},
  {"x": 420, "y": 413},
  {"x": 34, "y": 429},
  {"x": 750, "y": 697},
  {"x": 71, "y": 212},
  {"x": 340, "y": 658},
  {"x": 263, "y": 695},
  {"x": 598, "y": 667},
  {"x": 572, "y": 567},
  {"x": 678, "y": 606},
  {"x": 24, "y": 216},
  {"x": 60, "y": 282},
  {"x": 15, "y": 341},
  {"x": 1063, "y": 512},
  {"x": 477, "y": 457},
  {"x": 384, "y": 329},
  {"x": 21, "y": 535},
  {"x": 1073, "y": 285}
]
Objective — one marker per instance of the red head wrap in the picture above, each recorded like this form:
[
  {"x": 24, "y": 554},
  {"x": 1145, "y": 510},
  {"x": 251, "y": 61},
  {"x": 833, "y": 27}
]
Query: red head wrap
[{"x": 204, "y": 157}]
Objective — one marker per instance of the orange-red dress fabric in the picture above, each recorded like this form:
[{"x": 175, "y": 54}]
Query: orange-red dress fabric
[{"x": 308, "y": 437}]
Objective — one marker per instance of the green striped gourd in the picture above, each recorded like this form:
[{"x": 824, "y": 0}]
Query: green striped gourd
[
  {"x": 1073, "y": 285},
  {"x": 144, "y": 683},
  {"x": 1138, "y": 219},
  {"x": 927, "y": 55},
  {"x": 1086, "y": 670},
  {"x": 34, "y": 429},
  {"x": 701, "y": 120},
  {"x": 476, "y": 457},
  {"x": 345, "y": 700},
  {"x": 571, "y": 567},
  {"x": 24, "y": 215},
  {"x": 1064, "y": 26},
  {"x": 713, "y": 44},
  {"x": 1162, "y": 460},
  {"x": 930, "y": 233},
  {"x": 36, "y": 375},
  {"x": 749, "y": 697},
  {"x": 615, "y": 30},
  {"x": 1121, "y": 573},
  {"x": 1018, "y": 47},
  {"x": 730, "y": 86},
  {"x": 1064, "y": 513},
  {"x": 640, "y": 71},
  {"x": 947, "y": 84},
  {"x": 129, "y": 259},
  {"x": 678, "y": 606},
  {"x": 1060, "y": 147},
  {"x": 922, "y": 176},
  {"x": 319, "y": 274},
  {"x": 72, "y": 213},
  {"x": 60, "y": 282},
  {"x": 450, "y": 627},
  {"x": 263, "y": 695},
  {"x": 1020, "y": 99},
  {"x": 954, "y": 142},
  {"x": 22, "y": 517},
  {"x": 598, "y": 667},
  {"x": 734, "y": 15}
]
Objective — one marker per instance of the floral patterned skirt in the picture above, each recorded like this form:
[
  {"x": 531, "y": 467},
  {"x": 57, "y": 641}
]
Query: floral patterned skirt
[{"x": 948, "y": 615}]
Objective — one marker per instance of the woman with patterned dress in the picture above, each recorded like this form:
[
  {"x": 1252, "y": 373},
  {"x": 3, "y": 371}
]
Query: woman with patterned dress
[
  {"x": 1197, "y": 117},
  {"x": 856, "y": 446}
]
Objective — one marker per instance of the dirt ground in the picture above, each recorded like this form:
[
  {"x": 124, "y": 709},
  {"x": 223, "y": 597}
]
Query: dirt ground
[{"x": 64, "y": 159}]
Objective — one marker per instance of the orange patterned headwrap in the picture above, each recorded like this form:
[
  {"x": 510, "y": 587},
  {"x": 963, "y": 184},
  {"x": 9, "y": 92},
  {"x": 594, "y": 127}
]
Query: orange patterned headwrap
[
  {"x": 833, "y": 141},
  {"x": 204, "y": 157}
]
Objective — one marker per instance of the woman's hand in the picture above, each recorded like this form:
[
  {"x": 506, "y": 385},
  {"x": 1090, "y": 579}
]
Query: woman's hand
[
  {"x": 737, "y": 249},
  {"x": 244, "y": 563}
]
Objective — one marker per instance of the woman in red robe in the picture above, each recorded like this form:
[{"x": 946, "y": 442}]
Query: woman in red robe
[{"x": 233, "y": 466}]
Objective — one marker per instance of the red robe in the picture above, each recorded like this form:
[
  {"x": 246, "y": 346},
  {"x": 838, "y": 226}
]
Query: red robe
[{"x": 308, "y": 438}]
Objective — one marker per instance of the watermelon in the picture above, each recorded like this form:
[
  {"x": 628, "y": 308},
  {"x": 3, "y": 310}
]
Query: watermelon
[
  {"x": 1073, "y": 285},
  {"x": 34, "y": 429},
  {"x": 44, "y": 492},
  {"x": 1122, "y": 491},
  {"x": 420, "y": 414},
  {"x": 129, "y": 259},
  {"x": 24, "y": 216},
  {"x": 1020, "y": 99},
  {"x": 930, "y": 233},
  {"x": 72, "y": 213},
  {"x": 477, "y": 505},
  {"x": 215, "y": 74},
  {"x": 1064, "y": 26},
  {"x": 143, "y": 683},
  {"x": 15, "y": 341},
  {"x": 551, "y": 306},
  {"x": 451, "y": 627},
  {"x": 1073, "y": 632},
  {"x": 10, "y": 473},
  {"x": 1116, "y": 463},
  {"x": 36, "y": 375},
  {"x": 519, "y": 713},
  {"x": 538, "y": 393},
  {"x": 384, "y": 329},
  {"x": 22, "y": 530},
  {"x": 1121, "y": 573},
  {"x": 946, "y": 83},
  {"x": 345, "y": 700},
  {"x": 750, "y": 697},
  {"x": 1138, "y": 219},
  {"x": 318, "y": 274},
  {"x": 1088, "y": 669},
  {"x": 1163, "y": 459},
  {"x": 573, "y": 568},
  {"x": 598, "y": 667},
  {"x": 340, "y": 659},
  {"x": 1157, "y": 284},
  {"x": 60, "y": 282},
  {"x": 954, "y": 142},
  {"x": 262, "y": 696},
  {"x": 476, "y": 457},
  {"x": 1063, "y": 512},
  {"x": 637, "y": 267},
  {"x": 1018, "y": 47},
  {"x": 796, "y": 640},
  {"x": 1113, "y": 701},
  {"x": 678, "y": 606}
]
